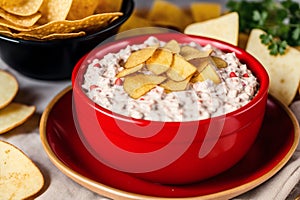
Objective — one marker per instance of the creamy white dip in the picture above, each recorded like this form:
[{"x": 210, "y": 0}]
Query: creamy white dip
[{"x": 200, "y": 101}]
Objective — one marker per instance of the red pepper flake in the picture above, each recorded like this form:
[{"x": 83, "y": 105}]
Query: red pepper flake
[
  {"x": 246, "y": 75},
  {"x": 232, "y": 74},
  {"x": 93, "y": 87},
  {"x": 142, "y": 99},
  {"x": 97, "y": 65},
  {"x": 118, "y": 81}
]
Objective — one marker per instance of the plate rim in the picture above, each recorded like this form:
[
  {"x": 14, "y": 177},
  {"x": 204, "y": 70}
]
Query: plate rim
[{"x": 111, "y": 192}]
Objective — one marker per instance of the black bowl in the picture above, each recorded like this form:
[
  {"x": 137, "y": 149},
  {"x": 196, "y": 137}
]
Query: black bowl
[{"x": 54, "y": 60}]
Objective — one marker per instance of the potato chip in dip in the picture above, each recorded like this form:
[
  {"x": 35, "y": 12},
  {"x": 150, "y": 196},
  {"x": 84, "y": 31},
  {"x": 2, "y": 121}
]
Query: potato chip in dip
[{"x": 176, "y": 86}]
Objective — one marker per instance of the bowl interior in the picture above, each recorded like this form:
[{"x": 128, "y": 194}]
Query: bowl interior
[{"x": 113, "y": 47}]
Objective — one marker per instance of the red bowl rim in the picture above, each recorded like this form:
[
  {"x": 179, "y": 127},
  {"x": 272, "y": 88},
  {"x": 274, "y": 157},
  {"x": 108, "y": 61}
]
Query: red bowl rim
[{"x": 245, "y": 57}]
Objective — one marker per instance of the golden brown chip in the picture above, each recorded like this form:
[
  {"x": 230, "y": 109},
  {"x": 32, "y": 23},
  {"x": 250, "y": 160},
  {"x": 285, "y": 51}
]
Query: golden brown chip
[
  {"x": 173, "y": 46},
  {"x": 190, "y": 53},
  {"x": 56, "y": 36},
  {"x": 180, "y": 69},
  {"x": 283, "y": 70},
  {"x": 88, "y": 24},
  {"x": 5, "y": 23},
  {"x": 13, "y": 115},
  {"x": 171, "y": 85},
  {"x": 160, "y": 61},
  {"x": 55, "y": 10},
  {"x": 202, "y": 11},
  {"x": 20, "y": 177},
  {"x": 219, "y": 62},
  {"x": 128, "y": 71},
  {"x": 22, "y": 7},
  {"x": 168, "y": 14},
  {"x": 109, "y": 6},
  {"x": 5, "y": 31},
  {"x": 81, "y": 9},
  {"x": 8, "y": 88},
  {"x": 139, "y": 57},
  {"x": 207, "y": 70},
  {"x": 25, "y": 21},
  {"x": 139, "y": 84}
]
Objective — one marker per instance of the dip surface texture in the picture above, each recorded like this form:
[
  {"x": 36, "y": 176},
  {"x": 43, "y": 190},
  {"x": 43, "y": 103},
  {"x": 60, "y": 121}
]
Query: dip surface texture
[{"x": 200, "y": 100}]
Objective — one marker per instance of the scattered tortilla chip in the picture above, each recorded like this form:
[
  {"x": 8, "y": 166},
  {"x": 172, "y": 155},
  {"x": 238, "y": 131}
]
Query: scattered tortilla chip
[
  {"x": 202, "y": 11},
  {"x": 173, "y": 46},
  {"x": 225, "y": 28},
  {"x": 88, "y": 24},
  {"x": 283, "y": 70},
  {"x": 13, "y": 115},
  {"x": 8, "y": 88},
  {"x": 25, "y": 21},
  {"x": 20, "y": 177},
  {"x": 81, "y": 9},
  {"x": 168, "y": 14},
  {"x": 128, "y": 71},
  {"x": 139, "y": 57},
  {"x": 180, "y": 69},
  {"x": 22, "y": 8},
  {"x": 160, "y": 61},
  {"x": 139, "y": 84}
]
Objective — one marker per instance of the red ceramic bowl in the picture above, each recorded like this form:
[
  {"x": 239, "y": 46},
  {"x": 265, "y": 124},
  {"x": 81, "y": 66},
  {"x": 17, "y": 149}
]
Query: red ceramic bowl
[{"x": 168, "y": 152}]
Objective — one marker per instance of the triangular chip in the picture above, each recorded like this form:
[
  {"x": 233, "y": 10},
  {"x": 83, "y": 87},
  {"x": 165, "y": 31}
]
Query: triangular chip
[
  {"x": 8, "y": 88},
  {"x": 283, "y": 70},
  {"x": 13, "y": 115},
  {"x": 224, "y": 28},
  {"x": 20, "y": 178}
]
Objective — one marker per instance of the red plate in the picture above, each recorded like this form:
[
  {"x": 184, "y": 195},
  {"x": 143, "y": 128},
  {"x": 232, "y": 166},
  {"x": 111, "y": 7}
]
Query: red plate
[{"x": 277, "y": 141}]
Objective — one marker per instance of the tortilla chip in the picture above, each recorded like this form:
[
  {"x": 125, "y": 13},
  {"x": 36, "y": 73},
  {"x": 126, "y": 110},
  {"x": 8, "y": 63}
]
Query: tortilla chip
[
  {"x": 109, "y": 6},
  {"x": 25, "y": 21},
  {"x": 4, "y": 22},
  {"x": 88, "y": 24},
  {"x": 56, "y": 36},
  {"x": 283, "y": 70},
  {"x": 13, "y": 115},
  {"x": 202, "y": 11},
  {"x": 81, "y": 9},
  {"x": 8, "y": 88},
  {"x": 22, "y": 8},
  {"x": 168, "y": 14},
  {"x": 20, "y": 177},
  {"x": 54, "y": 10},
  {"x": 225, "y": 28},
  {"x": 5, "y": 31}
]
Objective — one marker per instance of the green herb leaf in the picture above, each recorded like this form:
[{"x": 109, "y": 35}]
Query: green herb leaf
[{"x": 280, "y": 21}]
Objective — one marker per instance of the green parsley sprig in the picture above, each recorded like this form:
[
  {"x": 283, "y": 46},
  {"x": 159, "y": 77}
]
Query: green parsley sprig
[{"x": 280, "y": 21}]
